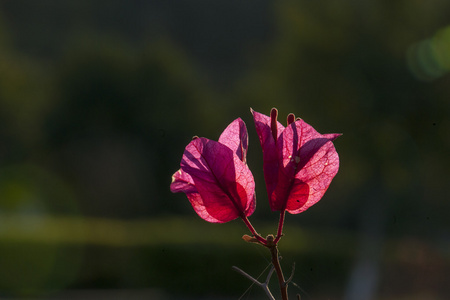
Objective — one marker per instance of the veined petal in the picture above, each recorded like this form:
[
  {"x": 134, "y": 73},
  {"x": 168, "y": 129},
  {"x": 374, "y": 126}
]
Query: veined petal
[
  {"x": 332, "y": 136},
  {"x": 308, "y": 162},
  {"x": 183, "y": 182},
  {"x": 235, "y": 137},
  {"x": 197, "y": 203},
  {"x": 262, "y": 124},
  {"x": 223, "y": 182},
  {"x": 268, "y": 145}
]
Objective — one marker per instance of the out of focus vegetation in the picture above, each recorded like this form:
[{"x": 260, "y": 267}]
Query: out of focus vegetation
[{"x": 99, "y": 98}]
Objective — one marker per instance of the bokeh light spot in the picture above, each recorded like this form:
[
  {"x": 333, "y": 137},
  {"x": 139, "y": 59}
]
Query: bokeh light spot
[{"x": 429, "y": 59}]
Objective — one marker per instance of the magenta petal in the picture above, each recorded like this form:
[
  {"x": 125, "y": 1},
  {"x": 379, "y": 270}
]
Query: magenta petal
[
  {"x": 306, "y": 158},
  {"x": 268, "y": 145},
  {"x": 224, "y": 185},
  {"x": 183, "y": 182},
  {"x": 298, "y": 196},
  {"x": 197, "y": 203},
  {"x": 262, "y": 124},
  {"x": 332, "y": 136},
  {"x": 235, "y": 137}
]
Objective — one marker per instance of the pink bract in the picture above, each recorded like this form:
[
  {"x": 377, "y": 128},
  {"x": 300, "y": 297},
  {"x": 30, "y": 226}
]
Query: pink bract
[
  {"x": 215, "y": 177},
  {"x": 299, "y": 162}
]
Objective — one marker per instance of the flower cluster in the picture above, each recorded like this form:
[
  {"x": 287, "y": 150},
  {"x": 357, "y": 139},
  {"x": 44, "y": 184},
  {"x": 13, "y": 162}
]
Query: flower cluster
[{"x": 299, "y": 164}]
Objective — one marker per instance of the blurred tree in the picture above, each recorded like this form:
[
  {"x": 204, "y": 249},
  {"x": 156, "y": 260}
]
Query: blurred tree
[{"x": 117, "y": 126}]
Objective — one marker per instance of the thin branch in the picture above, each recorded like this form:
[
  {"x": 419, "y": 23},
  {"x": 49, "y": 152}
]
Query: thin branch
[
  {"x": 276, "y": 264},
  {"x": 292, "y": 275},
  {"x": 264, "y": 285},
  {"x": 246, "y": 275},
  {"x": 253, "y": 231},
  {"x": 269, "y": 275}
]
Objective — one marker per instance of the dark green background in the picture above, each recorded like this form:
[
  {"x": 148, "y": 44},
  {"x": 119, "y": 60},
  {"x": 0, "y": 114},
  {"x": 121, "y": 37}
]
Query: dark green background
[{"x": 99, "y": 98}]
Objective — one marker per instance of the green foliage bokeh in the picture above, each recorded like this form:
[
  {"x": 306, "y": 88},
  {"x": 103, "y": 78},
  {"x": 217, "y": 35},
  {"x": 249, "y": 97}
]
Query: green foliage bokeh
[{"x": 98, "y": 100}]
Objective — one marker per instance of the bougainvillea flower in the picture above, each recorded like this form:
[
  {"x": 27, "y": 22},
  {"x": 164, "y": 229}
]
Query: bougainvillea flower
[
  {"x": 215, "y": 177},
  {"x": 299, "y": 162}
]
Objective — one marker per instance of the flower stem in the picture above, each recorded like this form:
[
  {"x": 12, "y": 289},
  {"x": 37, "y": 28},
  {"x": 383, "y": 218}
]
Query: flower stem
[
  {"x": 280, "y": 227},
  {"x": 277, "y": 266},
  {"x": 253, "y": 231}
]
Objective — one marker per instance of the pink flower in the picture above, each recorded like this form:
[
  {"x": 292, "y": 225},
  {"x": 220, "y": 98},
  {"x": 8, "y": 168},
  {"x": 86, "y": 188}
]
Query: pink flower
[
  {"x": 215, "y": 177},
  {"x": 299, "y": 162}
]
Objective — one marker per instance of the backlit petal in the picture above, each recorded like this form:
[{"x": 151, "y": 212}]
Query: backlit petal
[
  {"x": 268, "y": 145},
  {"x": 235, "y": 137},
  {"x": 308, "y": 162},
  {"x": 223, "y": 182}
]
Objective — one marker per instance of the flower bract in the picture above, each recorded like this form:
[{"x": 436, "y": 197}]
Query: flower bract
[
  {"x": 215, "y": 177},
  {"x": 299, "y": 162}
]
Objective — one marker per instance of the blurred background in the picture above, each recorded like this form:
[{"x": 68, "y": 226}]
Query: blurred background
[{"x": 99, "y": 98}]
